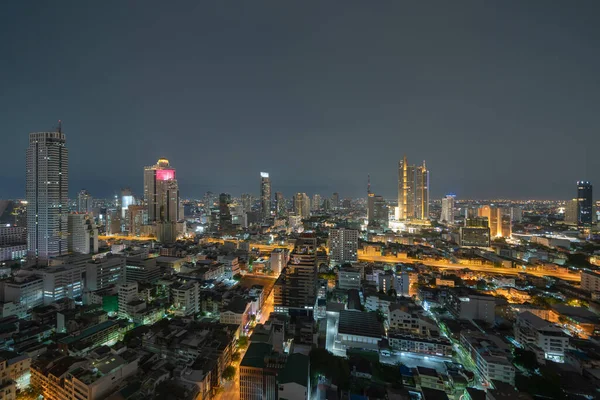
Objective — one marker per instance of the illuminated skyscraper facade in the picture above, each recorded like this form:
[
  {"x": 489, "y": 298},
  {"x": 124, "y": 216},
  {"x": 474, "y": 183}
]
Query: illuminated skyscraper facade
[
  {"x": 265, "y": 194},
  {"x": 161, "y": 192},
  {"x": 302, "y": 205},
  {"x": 499, "y": 220},
  {"x": 413, "y": 191},
  {"x": 280, "y": 204},
  {"x": 47, "y": 187},
  {"x": 584, "y": 204}
]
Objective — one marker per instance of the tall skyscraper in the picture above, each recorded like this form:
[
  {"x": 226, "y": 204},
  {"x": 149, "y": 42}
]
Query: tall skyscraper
[
  {"x": 280, "y": 204},
  {"x": 499, "y": 220},
  {"x": 84, "y": 202},
  {"x": 265, "y": 194},
  {"x": 161, "y": 192},
  {"x": 335, "y": 201},
  {"x": 47, "y": 187},
  {"x": 127, "y": 200},
  {"x": 316, "y": 202},
  {"x": 302, "y": 205},
  {"x": 584, "y": 204},
  {"x": 422, "y": 192},
  {"x": 377, "y": 211},
  {"x": 225, "y": 221},
  {"x": 343, "y": 246},
  {"x": 413, "y": 191},
  {"x": 246, "y": 202},
  {"x": 296, "y": 287},
  {"x": 447, "y": 215}
]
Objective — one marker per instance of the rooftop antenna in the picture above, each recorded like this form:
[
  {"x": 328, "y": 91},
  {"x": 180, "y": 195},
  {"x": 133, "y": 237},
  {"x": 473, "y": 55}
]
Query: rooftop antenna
[
  {"x": 369, "y": 184},
  {"x": 59, "y": 127}
]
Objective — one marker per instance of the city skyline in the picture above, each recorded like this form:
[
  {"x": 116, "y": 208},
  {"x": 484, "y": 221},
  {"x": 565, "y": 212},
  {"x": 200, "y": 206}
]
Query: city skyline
[{"x": 454, "y": 87}]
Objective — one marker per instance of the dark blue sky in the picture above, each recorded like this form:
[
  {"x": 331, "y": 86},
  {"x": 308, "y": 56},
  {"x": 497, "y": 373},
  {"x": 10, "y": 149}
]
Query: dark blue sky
[{"x": 501, "y": 98}]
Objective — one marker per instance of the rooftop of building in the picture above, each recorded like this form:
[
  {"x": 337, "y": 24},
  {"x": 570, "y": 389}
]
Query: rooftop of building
[
  {"x": 255, "y": 355},
  {"x": 296, "y": 370},
  {"x": 88, "y": 332},
  {"x": 360, "y": 323}
]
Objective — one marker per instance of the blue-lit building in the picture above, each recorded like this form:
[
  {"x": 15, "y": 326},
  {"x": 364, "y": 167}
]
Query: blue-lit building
[{"x": 584, "y": 204}]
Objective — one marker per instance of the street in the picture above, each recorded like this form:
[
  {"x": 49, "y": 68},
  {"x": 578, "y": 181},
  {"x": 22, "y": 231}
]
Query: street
[{"x": 231, "y": 390}]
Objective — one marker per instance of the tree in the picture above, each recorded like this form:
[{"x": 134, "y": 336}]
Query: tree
[
  {"x": 229, "y": 373},
  {"x": 392, "y": 292},
  {"x": 236, "y": 356},
  {"x": 31, "y": 392},
  {"x": 526, "y": 359},
  {"x": 237, "y": 277},
  {"x": 243, "y": 342}
]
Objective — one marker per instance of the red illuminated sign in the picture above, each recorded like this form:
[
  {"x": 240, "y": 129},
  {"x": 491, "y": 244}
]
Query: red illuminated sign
[{"x": 165, "y": 174}]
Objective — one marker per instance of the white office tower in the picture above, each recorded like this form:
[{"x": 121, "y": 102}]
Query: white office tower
[
  {"x": 83, "y": 234},
  {"x": 343, "y": 245},
  {"x": 448, "y": 209},
  {"x": 47, "y": 187}
]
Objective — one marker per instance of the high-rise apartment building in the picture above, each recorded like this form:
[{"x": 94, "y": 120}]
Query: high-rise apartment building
[
  {"x": 246, "y": 202},
  {"x": 302, "y": 205},
  {"x": 316, "y": 202},
  {"x": 161, "y": 192},
  {"x": 47, "y": 188},
  {"x": 584, "y": 204},
  {"x": 499, "y": 220},
  {"x": 343, "y": 246},
  {"x": 280, "y": 204},
  {"x": 377, "y": 211},
  {"x": 265, "y": 194},
  {"x": 413, "y": 191},
  {"x": 296, "y": 287},
  {"x": 225, "y": 220},
  {"x": 448, "y": 209},
  {"x": 335, "y": 201},
  {"x": 84, "y": 202}
]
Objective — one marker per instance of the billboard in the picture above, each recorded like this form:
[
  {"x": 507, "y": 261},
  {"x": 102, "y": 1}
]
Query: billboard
[{"x": 165, "y": 174}]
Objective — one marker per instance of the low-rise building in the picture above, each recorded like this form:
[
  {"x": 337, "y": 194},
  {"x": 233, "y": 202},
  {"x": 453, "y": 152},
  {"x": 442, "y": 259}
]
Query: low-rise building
[
  {"x": 490, "y": 355},
  {"x": 349, "y": 278},
  {"x": 358, "y": 329},
  {"x": 469, "y": 304},
  {"x": 535, "y": 331},
  {"x": 420, "y": 344}
]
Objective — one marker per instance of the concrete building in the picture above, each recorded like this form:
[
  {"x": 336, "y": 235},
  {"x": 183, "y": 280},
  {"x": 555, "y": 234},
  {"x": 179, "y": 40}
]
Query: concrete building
[
  {"x": 571, "y": 212},
  {"x": 83, "y": 234},
  {"x": 63, "y": 281},
  {"x": 231, "y": 265},
  {"x": 85, "y": 204},
  {"x": 358, "y": 329},
  {"x": 8, "y": 387},
  {"x": 13, "y": 243},
  {"x": 258, "y": 372},
  {"x": 540, "y": 334},
  {"x": 490, "y": 355},
  {"x": 475, "y": 233},
  {"x": 185, "y": 298},
  {"x": 590, "y": 281},
  {"x": 469, "y": 305},
  {"x": 127, "y": 293},
  {"x": 420, "y": 344},
  {"x": 294, "y": 379},
  {"x": 407, "y": 317},
  {"x": 349, "y": 278},
  {"x": 343, "y": 246},
  {"x": 296, "y": 287},
  {"x": 141, "y": 269},
  {"x": 47, "y": 194},
  {"x": 82, "y": 379},
  {"x": 104, "y": 272},
  {"x": 447, "y": 215},
  {"x": 278, "y": 261},
  {"x": 27, "y": 290}
]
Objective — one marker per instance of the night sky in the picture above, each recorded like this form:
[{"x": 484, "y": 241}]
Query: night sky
[{"x": 501, "y": 98}]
